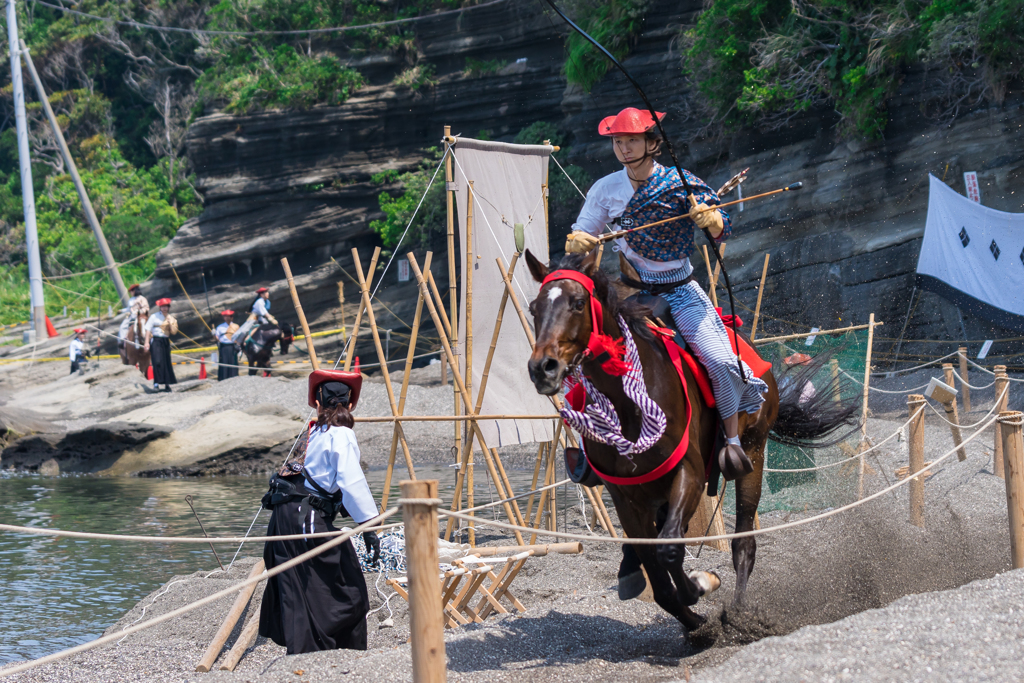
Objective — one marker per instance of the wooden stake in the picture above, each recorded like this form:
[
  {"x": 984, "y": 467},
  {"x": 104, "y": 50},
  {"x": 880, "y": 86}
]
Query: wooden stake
[
  {"x": 405, "y": 388},
  {"x": 341, "y": 305},
  {"x": 236, "y": 611},
  {"x": 864, "y": 411},
  {"x": 245, "y": 638},
  {"x": 819, "y": 333},
  {"x": 1013, "y": 453},
  {"x": 426, "y": 620},
  {"x": 574, "y": 548},
  {"x": 834, "y": 365},
  {"x": 711, "y": 287},
  {"x": 965, "y": 391},
  {"x": 364, "y": 286},
  {"x": 760, "y": 292},
  {"x": 706, "y": 518},
  {"x": 457, "y": 377},
  {"x": 1002, "y": 383},
  {"x": 915, "y": 404},
  {"x": 952, "y": 415},
  {"x": 359, "y": 316},
  {"x": 302, "y": 316}
]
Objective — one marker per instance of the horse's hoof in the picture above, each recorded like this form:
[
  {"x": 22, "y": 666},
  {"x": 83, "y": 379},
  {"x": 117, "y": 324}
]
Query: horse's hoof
[
  {"x": 632, "y": 586},
  {"x": 733, "y": 462},
  {"x": 707, "y": 582}
]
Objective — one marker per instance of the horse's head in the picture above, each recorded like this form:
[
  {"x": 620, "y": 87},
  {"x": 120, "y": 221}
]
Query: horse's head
[{"x": 562, "y": 320}]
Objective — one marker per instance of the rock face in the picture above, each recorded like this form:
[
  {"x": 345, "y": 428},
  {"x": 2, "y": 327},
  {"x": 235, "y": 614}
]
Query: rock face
[
  {"x": 91, "y": 450},
  {"x": 296, "y": 184}
]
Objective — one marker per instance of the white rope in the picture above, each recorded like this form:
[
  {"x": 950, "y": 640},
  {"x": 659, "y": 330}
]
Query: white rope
[
  {"x": 852, "y": 458},
  {"x": 743, "y": 534},
  {"x": 160, "y": 595},
  {"x": 231, "y": 590},
  {"x": 916, "y": 367},
  {"x": 36, "y": 531},
  {"x": 882, "y": 391},
  {"x": 552, "y": 156},
  {"x": 971, "y": 386},
  {"x": 972, "y": 426},
  {"x": 982, "y": 368},
  {"x": 583, "y": 507}
]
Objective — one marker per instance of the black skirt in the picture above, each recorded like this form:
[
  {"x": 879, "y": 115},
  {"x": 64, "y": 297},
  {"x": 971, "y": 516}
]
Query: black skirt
[
  {"x": 160, "y": 357},
  {"x": 227, "y": 353},
  {"x": 320, "y": 604}
]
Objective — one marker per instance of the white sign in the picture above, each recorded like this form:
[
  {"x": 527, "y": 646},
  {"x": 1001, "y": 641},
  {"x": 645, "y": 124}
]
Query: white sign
[
  {"x": 403, "y": 271},
  {"x": 985, "y": 349},
  {"x": 810, "y": 340},
  {"x": 971, "y": 182}
]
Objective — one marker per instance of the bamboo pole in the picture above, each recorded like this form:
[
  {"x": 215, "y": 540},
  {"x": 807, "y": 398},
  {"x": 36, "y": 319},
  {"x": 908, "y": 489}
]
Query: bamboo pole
[
  {"x": 302, "y": 316},
  {"x": 494, "y": 338},
  {"x": 536, "y": 474},
  {"x": 542, "y": 505},
  {"x": 965, "y": 390},
  {"x": 864, "y": 410},
  {"x": 457, "y": 378},
  {"x": 760, "y": 292},
  {"x": 364, "y": 287},
  {"x": 599, "y": 493},
  {"x": 426, "y": 611},
  {"x": 405, "y": 389},
  {"x": 711, "y": 288},
  {"x": 467, "y": 355},
  {"x": 1002, "y": 383},
  {"x": 354, "y": 338},
  {"x": 453, "y": 301},
  {"x": 819, "y": 333},
  {"x": 834, "y": 365},
  {"x": 574, "y": 548},
  {"x": 228, "y": 625},
  {"x": 341, "y": 305},
  {"x": 915, "y": 403},
  {"x": 1013, "y": 453},
  {"x": 952, "y": 415}
]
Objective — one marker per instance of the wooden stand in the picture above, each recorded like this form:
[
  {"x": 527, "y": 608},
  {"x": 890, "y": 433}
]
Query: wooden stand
[
  {"x": 864, "y": 411},
  {"x": 965, "y": 391},
  {"x": 834, "y": 366},
  {"x": 302, "y": 316},
  {"x": 915, "y": 403},
  {"x": 952, "y": 415},
  {"x": 1013, "y": 453},
  {"x": 234, "y": 614},
  {"x": 426, "y": 625},
  {"x": 359, "y": 314},
  {"x": 760, "y": 292},
  {"x": 1002, "y": 384}
]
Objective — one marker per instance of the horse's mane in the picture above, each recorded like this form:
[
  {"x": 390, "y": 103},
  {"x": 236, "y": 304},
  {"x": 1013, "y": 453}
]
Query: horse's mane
[{"x": 633, "y": 313}]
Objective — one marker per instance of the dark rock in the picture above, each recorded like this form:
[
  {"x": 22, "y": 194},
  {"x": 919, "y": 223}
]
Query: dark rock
[{"x": 91, "y": 449}]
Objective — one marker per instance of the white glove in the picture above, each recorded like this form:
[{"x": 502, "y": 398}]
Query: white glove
[
  {"x": 707, "y": 220},
  {"x": 579, "y": 242}
]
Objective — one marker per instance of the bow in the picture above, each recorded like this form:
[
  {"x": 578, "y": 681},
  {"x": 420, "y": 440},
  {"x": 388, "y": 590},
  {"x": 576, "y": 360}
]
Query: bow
[{"x": 675, "y": 162}]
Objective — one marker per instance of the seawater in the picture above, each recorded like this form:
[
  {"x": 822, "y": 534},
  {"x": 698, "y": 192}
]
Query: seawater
[{"x": 60, "y": 592}]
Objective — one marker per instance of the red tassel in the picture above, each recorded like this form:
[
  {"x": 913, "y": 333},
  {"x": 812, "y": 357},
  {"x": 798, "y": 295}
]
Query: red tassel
[{"x": 616, "y": 349}]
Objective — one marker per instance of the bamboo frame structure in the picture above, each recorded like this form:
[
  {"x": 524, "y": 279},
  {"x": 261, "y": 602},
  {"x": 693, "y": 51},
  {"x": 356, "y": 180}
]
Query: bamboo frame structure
[
  {"x": 453, "y": 333},
  {"x": 801, "y": 335},
  {"x": 1002, "y": 384},
  {"x": 760, "y": 292},
  {"x": 359, "y": 316},
  {"x": 864, "y": 411},
  {"x": 467, "y": 355},
  {"x": 965, "y": 389},
  {"x": 302, "y": 316}
]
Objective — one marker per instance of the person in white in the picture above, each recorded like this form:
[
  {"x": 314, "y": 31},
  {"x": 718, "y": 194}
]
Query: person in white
[
  {"x": 137, "y": 305},
  {"x": 76, "y": 351},
  {"x": 159, "y": 345},
  {"x": 322, "y": 603},
  {"x": 258, "y": 312}
]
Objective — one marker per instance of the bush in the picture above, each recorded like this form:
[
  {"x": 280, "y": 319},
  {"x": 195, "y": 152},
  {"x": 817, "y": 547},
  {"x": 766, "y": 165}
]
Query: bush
[
  {"x": 614, "y": 24},
  {"x": 431, "y": 221}
]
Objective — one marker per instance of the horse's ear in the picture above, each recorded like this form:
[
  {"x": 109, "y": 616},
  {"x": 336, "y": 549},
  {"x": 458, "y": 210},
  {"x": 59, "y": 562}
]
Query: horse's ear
[
  {"x": 627, "y": 269},
  {"x": 537, "y": 269},
  {"x": 589, "y": 266}
]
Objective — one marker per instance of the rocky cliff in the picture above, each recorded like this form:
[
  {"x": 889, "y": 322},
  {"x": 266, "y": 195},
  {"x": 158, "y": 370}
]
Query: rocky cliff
[{"x": 296, "y": 184}]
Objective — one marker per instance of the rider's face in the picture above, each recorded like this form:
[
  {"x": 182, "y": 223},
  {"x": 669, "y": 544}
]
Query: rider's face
[{"x": 630, "y": 148}]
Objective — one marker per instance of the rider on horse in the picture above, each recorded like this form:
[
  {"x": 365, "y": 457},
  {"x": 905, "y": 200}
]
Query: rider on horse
[
  {"x": 259, "y": 312},
  {"x": 137, "y": 305},
  {"x": 644, "y": 191}
]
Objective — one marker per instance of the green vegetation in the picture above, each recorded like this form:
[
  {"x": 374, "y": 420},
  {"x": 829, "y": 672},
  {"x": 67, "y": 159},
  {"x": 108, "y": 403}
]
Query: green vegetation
[
  {"x": 482, "y": 67},
  {"x": 765, "y": 61},
  {"x": 614, "y": 24}
]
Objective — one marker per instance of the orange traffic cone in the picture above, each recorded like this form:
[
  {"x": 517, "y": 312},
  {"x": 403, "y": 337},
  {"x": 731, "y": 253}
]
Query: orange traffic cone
[
  {"x": 51, "y": 331},
  {"x": 202, "y": 367},
  {"x": 356, "y": 367},
  {"x": 149, "y": 372}
]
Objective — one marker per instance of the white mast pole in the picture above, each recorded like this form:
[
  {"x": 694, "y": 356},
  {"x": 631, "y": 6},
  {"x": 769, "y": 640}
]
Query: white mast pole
[{"x": 35, "y": 271}]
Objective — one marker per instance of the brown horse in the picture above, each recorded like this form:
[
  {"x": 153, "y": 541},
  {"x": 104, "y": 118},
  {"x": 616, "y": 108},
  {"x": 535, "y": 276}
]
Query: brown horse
[
  {"x": 133, "y": 353},
  {"x": 563, "y": 324}
]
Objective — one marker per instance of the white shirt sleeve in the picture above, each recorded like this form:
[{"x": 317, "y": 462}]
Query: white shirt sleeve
[
  {"x": 260, "y": 308},
  {"x": 355, "y": 491}
]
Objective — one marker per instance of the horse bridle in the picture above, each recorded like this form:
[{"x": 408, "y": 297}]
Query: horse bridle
[{"x": 597, "y": 344}]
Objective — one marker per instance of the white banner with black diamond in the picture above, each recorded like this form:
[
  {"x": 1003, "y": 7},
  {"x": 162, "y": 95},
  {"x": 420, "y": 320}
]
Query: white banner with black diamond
[{"x": 973, "y": 256}]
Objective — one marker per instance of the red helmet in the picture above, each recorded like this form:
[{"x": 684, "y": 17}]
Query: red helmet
[
  {"x": 163, "y": 302},
  {"x": 353, "y": 380},
  {"x": 797, "y": 359},
  {"x": 261, "y": 290},
  {"x": 629, "y": 121},
  {"x": 80, "y": 330},
  {"x": 134, "y": 287},
  {"x": 227, "y": 312}
]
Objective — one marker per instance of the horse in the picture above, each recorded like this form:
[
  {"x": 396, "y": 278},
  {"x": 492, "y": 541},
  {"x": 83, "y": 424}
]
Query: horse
[
  {"x": 133, "y": 353},
  {"x": 563, "y": 323},
  {"x": 259, "y": 347}
]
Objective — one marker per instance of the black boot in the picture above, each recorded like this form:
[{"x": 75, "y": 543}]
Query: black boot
[
  {"x": 632, "y": 581},
  {"x": 733, "y": 462}
]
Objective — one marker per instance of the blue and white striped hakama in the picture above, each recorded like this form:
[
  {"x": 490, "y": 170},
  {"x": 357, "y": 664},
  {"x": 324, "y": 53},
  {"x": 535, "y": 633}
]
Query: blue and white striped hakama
[{"x": 704, "y": 332}]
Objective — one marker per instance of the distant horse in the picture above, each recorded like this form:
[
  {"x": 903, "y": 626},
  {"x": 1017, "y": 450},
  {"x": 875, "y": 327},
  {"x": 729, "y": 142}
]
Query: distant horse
[
  {"x": 259, "y": 348},
  {"x": 563, "y": 321},
  {"x": 135, "y": 353}
]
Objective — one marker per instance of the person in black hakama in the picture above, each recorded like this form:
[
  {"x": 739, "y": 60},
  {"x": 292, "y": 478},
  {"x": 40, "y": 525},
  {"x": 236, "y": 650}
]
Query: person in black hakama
[
  {"x": 322, "y": 603},
  {"x": 227, "y": 352},
  {"x": 159, "y": 327}
]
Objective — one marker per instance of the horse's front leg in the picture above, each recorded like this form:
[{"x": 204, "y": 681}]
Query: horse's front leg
[
  {"x": 252, "y": 367},
  {"x": 748, "y": 495},
  {"x": 685, "y": 496}
]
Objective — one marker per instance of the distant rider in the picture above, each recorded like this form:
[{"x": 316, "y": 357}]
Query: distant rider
[
  {"x": 259, "y": 312},
  {"x": 137, "y": 305},
  {"x": 77, "y": 351}
]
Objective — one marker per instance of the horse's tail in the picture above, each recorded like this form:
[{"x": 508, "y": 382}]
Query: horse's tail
[{"x": 812, "y": 419}]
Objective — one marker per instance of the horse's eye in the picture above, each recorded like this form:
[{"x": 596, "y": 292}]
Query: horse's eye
[{"x": 578, "y": 305}]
